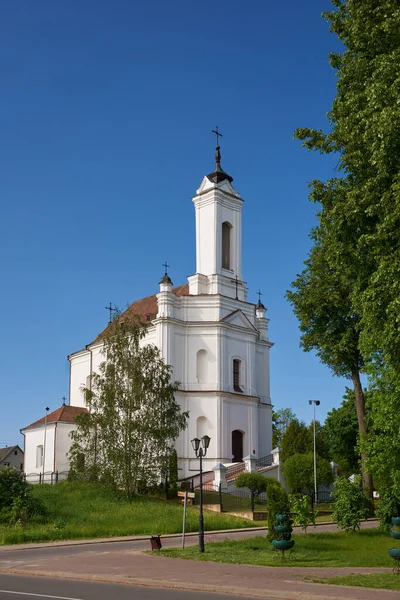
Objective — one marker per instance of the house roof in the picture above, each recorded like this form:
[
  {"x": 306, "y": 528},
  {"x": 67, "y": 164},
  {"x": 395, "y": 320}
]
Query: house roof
[
  {"x": 145, "y": 308},
  {"x": 4, "y": 452},
  {"x": 65, "y": 413}
]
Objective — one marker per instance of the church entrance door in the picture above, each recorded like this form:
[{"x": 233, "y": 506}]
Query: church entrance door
[{"x": 237, "y": 446}]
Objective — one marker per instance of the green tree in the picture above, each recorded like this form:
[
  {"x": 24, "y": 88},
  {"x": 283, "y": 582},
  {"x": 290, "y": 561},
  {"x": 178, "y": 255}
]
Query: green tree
[
  {"x": 280, "y": 422},
  {"x": 299, "y": 472},
  {"x": 359, "y": 214},
  {"x": 321, "y": 299},
  {"x": 349, "y": 507},
  {"x": 360, "y": 208},
  {"x": 303, "y": 515},
  {"x": 341, "y": 432},
  {"x": 297, "y": 439},
  {"x": 382, "y": 446},
  {"x": 127, "y": 436}
]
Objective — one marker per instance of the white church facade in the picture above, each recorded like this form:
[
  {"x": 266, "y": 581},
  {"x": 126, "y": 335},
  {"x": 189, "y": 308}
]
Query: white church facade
[{"x": 216, "y": 341}]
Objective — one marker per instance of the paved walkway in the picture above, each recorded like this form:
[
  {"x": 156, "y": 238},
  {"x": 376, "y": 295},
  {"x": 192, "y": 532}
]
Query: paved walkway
[{"x": 126, "y": 563}]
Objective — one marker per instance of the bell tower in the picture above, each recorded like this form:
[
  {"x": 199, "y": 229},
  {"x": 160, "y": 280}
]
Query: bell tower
[{"x": 218, "y": 235}]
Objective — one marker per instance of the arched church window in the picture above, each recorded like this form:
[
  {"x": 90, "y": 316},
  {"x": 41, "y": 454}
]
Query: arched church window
[
  {"x": 202, "y": 427},
  {"x": 226, "y": 245},
  {"x": 202, "y": 366},
  {"x": 237, "y": 375},
  {"x": 39, "y": 456}
]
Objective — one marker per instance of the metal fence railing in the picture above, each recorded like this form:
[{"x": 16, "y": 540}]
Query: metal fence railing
[
  {"x": 265, "y": 461},
  {"x": 238, "y": 500},
  {"x": 50, "y": 477},
  {"x": 234, "y": 470}
]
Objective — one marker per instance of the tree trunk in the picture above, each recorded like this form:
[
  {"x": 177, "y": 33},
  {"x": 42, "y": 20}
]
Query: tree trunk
[{"x": 362, "y": 428}]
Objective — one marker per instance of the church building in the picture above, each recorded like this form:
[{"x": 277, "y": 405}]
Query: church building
[{"x": 216, "y": 341}]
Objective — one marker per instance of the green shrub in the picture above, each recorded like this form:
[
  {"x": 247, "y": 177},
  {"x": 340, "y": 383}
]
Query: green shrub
[
  {"x": 388, "y": 507},
  {"x": 12, "y": 485},
  {"x": 17, "y": 505},
  {"x": 25, "y": 507},
  {"x": 300, "y": 507},
  {"x": 277, "y": 503},
  {"x": 349, "y": 507}
]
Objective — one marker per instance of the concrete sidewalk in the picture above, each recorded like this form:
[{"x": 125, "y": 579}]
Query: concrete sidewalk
[
  {"x": 126, "y": 563},
  {"x": 135, "y": 567}
]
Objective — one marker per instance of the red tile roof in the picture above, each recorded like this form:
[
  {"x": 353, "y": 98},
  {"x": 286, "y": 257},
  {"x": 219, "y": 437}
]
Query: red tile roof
[
  {"x": 145, "y": 308},
  {"x": 65, "y": 413}
]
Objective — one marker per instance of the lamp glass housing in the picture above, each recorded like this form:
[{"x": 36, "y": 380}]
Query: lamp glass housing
[
  {"x": 195, "y": 444},
  {"x": 205, "y": 440}
]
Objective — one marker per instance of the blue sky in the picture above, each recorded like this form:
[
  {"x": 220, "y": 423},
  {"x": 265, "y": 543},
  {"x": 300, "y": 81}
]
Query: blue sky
[{"x": 106, "y": 112}]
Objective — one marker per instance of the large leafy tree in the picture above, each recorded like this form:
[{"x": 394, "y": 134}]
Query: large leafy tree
[
  {"x": 127, "y": 436},
  {"x": 361, "y": 207},
  {"x": 321, "y": 300}
]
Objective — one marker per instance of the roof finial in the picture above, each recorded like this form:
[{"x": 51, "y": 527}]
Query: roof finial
[
  {"x": 218, "y": 174},
  {"x": 259, "y": 304},
  {"x": 217, "y": 149},
  {"x": 166, "y": 278}
]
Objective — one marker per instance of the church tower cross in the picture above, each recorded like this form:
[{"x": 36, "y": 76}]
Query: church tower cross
[
  {"x": 166, "y": 265},
  {"x": 111, "y": 309},
  {"x": 218, "y": 134}
]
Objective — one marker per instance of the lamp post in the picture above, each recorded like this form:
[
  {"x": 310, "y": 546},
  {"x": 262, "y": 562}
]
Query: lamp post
[
  {"x": 44, "y": 442},
  {"x": 200, "y": 448},
  {"x": 315, "y": 403}
]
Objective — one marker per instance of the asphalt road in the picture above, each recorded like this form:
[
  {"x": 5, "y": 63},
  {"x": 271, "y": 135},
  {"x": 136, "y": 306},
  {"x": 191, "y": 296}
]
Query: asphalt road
[{"x": 18, "y": 587}]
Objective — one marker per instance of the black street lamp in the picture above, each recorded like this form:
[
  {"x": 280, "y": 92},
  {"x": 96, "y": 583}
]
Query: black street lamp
[{"x": 200, "y": 448}]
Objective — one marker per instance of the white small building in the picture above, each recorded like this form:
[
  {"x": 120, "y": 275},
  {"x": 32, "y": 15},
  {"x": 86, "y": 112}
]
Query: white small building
[
  {"x": 216, "y": 341},
  {"x": 12, "y": 456},
  {"x": 47, "y": 442}
]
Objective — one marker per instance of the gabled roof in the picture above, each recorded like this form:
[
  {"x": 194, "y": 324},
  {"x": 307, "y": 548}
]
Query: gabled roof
[
  {"x": 237, "y": 317},
  {"x": 4, "y": 452},
  {"x": 65, "y": 414},
  {"x": 145, "y": 308}
]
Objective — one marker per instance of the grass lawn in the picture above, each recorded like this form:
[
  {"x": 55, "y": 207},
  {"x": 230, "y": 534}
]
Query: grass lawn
[
  {"x": 385, "y": 581},
  {"x": 367, "y": 548},
  {"x": 83, "y": 510}
]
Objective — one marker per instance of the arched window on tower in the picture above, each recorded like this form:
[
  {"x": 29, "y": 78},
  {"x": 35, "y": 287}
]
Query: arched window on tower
[
  {"x": 202, "y": 366},
  {"x": 237, "y": 375},
  {"x": 39, "y": 456},
  {"x": 226, "y": 245},
  {"x": 202, "y": 427}
]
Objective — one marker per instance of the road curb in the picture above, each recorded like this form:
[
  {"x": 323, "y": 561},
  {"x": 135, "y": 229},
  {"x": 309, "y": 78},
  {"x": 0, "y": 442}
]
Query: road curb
[{"x": 138, "y": 538}]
